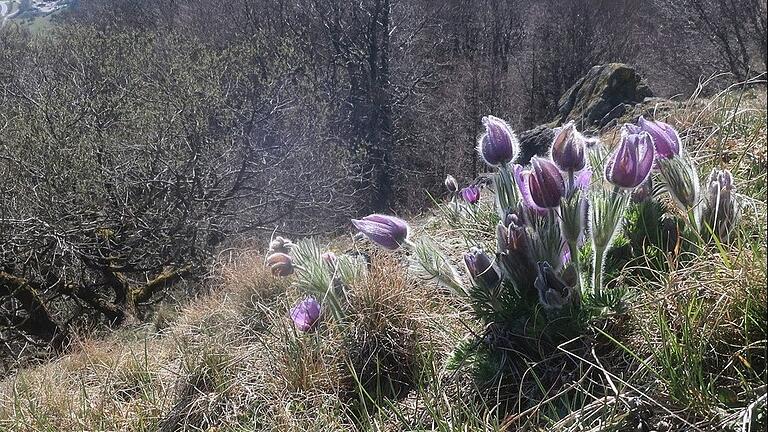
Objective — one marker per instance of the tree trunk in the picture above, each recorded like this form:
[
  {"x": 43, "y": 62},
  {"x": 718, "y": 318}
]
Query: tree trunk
[{"x": 38, "y": 321}]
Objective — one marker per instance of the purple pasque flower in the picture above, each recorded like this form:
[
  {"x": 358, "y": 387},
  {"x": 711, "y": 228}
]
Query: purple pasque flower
[
  {"x": 305, "y": 314},
  {"x": 568, "y": 148},
  {"x": 280, "y": 264},
  {"x": 389, "y": 232},
  {"x": 544, "y": 183},
  {"x": 481, "y": 269},
  {"x": 665, "y": 138},
  {"x": 631, "y": 163},
  {"x": 522, "y": 177},
  {"x": 583, "y": 180},
  {"x": 471, "y": 194},
  {"x": 498, "y": 145}
]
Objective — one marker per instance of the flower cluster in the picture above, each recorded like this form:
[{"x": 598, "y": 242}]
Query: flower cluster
[
  {"x": 575, "y": 199},
  {"x": 323, "y": 275}
]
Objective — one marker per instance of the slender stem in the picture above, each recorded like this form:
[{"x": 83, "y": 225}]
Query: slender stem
[
  {"x": 597, "y": 270},
  {"x": 508, "y": 185},
  {"x": 573, "y": 247}
]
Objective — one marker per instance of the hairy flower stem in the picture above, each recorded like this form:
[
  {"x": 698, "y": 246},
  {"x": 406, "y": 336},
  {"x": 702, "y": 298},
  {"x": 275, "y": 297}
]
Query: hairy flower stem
[
  {"x": 612, "y": 212},
  {"x": 597, "y": 269},
  {"x": 505, "y": 190},
  {"x": 573, "y": 248}
]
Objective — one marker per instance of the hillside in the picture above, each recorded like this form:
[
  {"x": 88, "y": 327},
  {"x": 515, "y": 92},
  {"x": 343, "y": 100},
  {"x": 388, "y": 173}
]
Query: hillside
[
  {"x": 681, "y": 346},
  {"x": 35, "y": 15}
]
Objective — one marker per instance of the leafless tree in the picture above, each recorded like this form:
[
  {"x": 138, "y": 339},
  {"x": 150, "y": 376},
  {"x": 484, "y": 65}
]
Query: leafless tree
[{"x": 128, "y": 158}]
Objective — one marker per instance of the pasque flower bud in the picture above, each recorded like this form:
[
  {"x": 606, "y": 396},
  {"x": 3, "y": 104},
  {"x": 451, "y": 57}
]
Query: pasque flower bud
[
  {"x": 481, "y": 269},
  {"x": 515, "y": 255},
  {"x": 722, "y": 210},
  {"x": 680, "y": 178},
  {"x": 280, "y": 264},
  {"x": 665, "y": 138},
  {"x": 568, "y": 149},
  {"x": 471, "y": 194},
  {"x": 573, "y": 208},
  {"x": 305, "y": 314},
  {"x": 386, "y": 231},
  {"x": 557, "y": 290},
  {"x": 451, "y": 184},
  {"x": 511, "y": 234},
  {"x": 498, "y": 145},
  {"x": 631, "y": 163},
  {"x": 545, "y": 183}
]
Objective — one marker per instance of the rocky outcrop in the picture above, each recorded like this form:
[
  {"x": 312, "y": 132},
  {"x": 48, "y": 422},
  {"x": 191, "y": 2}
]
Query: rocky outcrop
[{"x": 605, "y": 93}]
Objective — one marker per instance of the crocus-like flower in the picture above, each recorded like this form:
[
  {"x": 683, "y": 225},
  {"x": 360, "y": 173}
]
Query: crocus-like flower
[
  {"x": 498, "y": 145},
  {"x": 665, "y": 137},
  {"x": 556, "y": 291},
  {"x": 522, "y": 178},
  {"x": 471, "y": 194},
  {"x": 281, "y": 245},
  {"x": 480, "y": 267},
  {"x": 451, "y": 184},
  {"x": 544, "y": 182},
  {"x": 568, "y": 149},
  {"x": 305, "y": 314},
  {"x": 722, "y": 210},
  {"x": 386, "y": 231},
  {"x": 280, "y": 264},
  {"x": 630, "y": 164}
]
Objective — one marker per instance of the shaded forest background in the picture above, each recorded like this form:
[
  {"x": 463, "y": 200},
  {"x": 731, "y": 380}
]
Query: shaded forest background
[{"x": 139, "y": 138}]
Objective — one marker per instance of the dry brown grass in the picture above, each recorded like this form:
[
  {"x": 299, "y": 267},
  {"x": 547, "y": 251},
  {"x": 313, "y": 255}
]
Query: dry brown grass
[{"x": 234, "y": 359}]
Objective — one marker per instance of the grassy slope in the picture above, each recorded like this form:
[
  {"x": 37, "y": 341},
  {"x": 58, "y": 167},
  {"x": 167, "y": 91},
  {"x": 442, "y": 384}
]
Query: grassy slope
[{"x": 686, "y": 354}]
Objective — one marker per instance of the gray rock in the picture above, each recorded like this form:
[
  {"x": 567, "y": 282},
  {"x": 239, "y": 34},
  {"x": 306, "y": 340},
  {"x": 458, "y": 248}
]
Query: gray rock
[
  {"x": 605, "y": 93},
  {"x": 534, "y": 142},
  {"x": 605, "y": 97}
]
